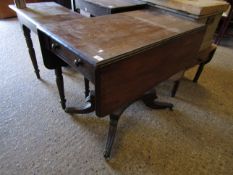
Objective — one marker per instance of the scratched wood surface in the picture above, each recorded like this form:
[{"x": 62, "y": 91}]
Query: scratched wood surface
[
  {"x": 105, "y": 38},
  {"x": 127, "y": 53},
  {"x": 43, "y": 13},
  {"x": 196, "y": 7}
]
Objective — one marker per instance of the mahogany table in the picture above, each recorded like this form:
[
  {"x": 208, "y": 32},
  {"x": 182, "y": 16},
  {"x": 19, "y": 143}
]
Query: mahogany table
[{"x": 124, "y": 63}]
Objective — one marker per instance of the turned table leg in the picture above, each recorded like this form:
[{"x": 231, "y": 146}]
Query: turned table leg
[
  {"x": 87, "y": 87},
  {"x": 198, "y": 73},
  {"x": 114, "y": 118},
  {"x": 111, "y": 135},
  {"x": 60, "y": 86},
  {"x": 27, "y": 34},
  {"x": 174, "y": 88},
  {"x": 89, "y": 96},
  {"x": 202, "y": 65}
]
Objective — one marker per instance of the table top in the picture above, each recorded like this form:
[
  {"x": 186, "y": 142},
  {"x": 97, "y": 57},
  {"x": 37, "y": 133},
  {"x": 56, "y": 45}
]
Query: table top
[
  {"x": 108, "y": 38},
  {"x": 45, "y": 12},
  {"x": 195, "y": 7},
  {"x": 115, "y": 3}
]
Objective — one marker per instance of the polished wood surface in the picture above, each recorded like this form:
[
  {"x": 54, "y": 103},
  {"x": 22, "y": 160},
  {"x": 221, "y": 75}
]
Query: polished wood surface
[
  {"x": 123, "y": 61},
  {"x": 43, "y": 13},
  {"x": 34, "y": 10},
  {"x": 6, "y": 12},
  {"x": 128, "y": 79},
  {"x": 107, "y": 38},
  {"x": 195, "y": 7},
  {"x": 38, "y": 14}
]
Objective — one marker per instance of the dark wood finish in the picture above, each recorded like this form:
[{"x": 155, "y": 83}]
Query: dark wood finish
[
  {"x": 149, "y": 71},
  {"x": 112, "y": 63},
  {"x": 38, "y": 14},
  {"x": 111, "y": 135},
  {"x": 90, "y": 98},
  {"x": 149, "y": 100},
  {"x": 74, "y": 60},
  {"x": 27, "y": 35},
  {"x": 106, "y": 7},
  {"x": 87, "y": 88},
  {"x": 43, "y": 13},
  {"x": 225, "y": 25},
  {"x": 123, "y": 62},
  {"x": 205, "y": 57},
  {"x": 51, "y": 61},
  {"x": 98, "y": 47},
  {"x": 60, "y": 85},
  {"x": 175, "y": 88},
  {"x": 65, "y": 3},
  {"x": 114, "y": 118},
  {"x": 198, "y": 73}
]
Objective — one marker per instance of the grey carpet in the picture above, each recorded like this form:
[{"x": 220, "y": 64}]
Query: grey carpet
[{"x": 37, "y": 137}]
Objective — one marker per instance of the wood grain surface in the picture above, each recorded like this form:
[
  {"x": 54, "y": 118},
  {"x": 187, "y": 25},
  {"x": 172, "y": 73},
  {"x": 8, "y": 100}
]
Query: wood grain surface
[
  {"x": 43, "y": 13},
  {"x": 106, "y": 38},
  {"x": 126, "y": 80}
]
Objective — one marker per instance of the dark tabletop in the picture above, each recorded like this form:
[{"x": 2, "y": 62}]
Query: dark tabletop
[
  {"x": 45, "y": 12},
  {"x": 105, "y": 38}
]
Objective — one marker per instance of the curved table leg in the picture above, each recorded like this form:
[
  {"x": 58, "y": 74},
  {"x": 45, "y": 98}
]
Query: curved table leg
[
  {"x": 111, "y": 135},
  {"x": 114, "y": 118},
  {"x": 149, "y": 100}
]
